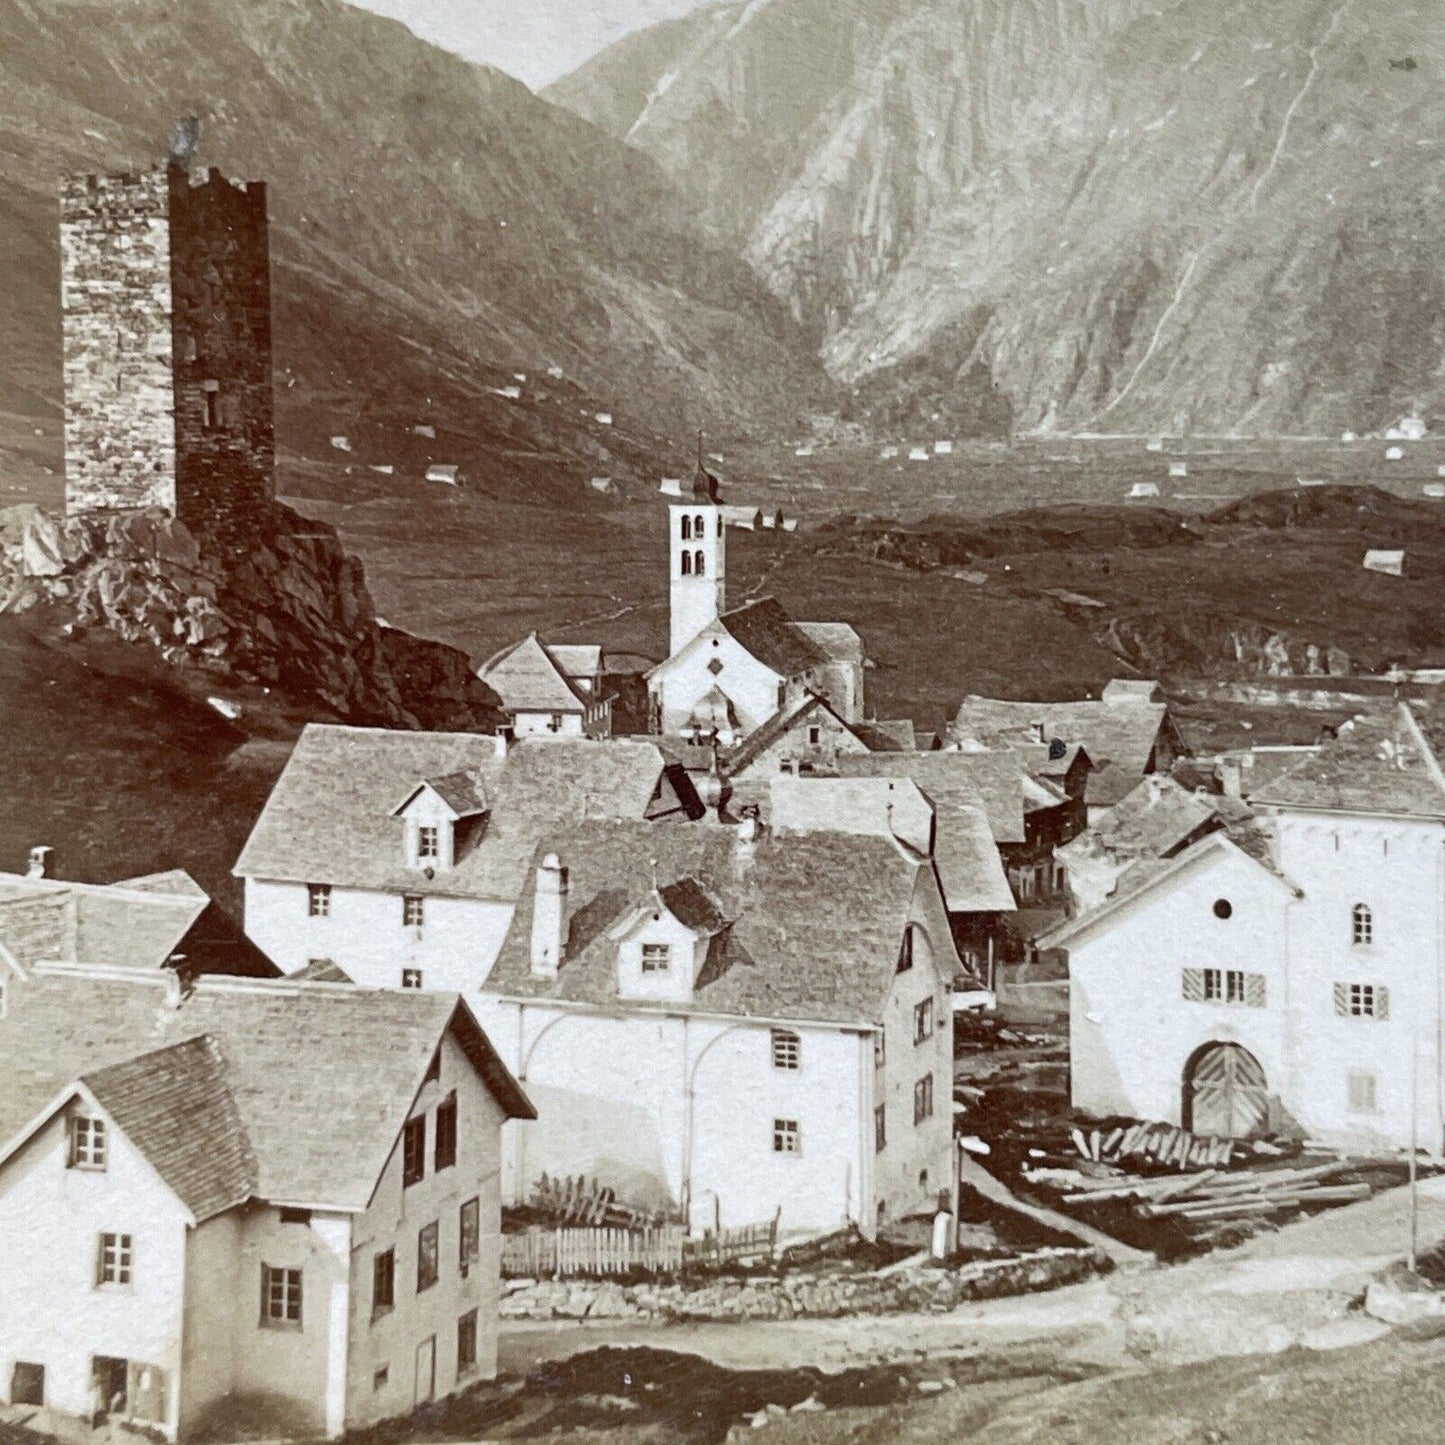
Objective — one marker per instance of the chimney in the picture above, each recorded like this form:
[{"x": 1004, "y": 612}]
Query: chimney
[
  {"x": 175, "y": 988},
  {"x": 1231, "y": 777},
  {"x": 1041, "y": 731},
  {"x": 549, "y": 918},
  {"x": 499, "y": 743},
  {"x": 39, "y": 865},
  {"x": 750, "y": 829}
]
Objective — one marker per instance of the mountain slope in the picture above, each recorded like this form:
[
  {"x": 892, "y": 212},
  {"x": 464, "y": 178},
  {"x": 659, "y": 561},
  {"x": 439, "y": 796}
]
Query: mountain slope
[
  {"x": 1139, "y": 214},
  {"x": 435, "y": 227}
]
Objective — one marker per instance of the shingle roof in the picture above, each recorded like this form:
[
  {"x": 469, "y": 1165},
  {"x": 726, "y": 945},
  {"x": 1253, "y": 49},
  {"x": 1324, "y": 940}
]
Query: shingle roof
[
  {"x": 969, "y": 867},
  {"x": 137, "y": 924},
  {"x": 894, "y": 735},
  {"x": 766, "y": 631},
  {"x": 1379, "y": 763},
  {"x": 465, "y": 792},
  {"x": 175, "y": 1105},
  {"x": 528, "y": 678},
  {"x": 328, "y": 817},
  {"x": 816, "y": 920},
  {"x": 692, "y": 905},
  {"x": 577, "y": 659},
  {"x": 837, "y": 641},
  {"x": 307, "y": 1065},
  {"x": 1119, "y": 735},
  {"x": 991, "y": 780},
  {"x": 1156, "y": 816},
  {"x": 778, "y": 726}
]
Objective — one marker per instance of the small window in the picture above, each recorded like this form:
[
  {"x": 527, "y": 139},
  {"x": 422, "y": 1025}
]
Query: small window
[
  {"x": 686, "y": 528},
  {"x": 1362, "y": 1000},
  {"x": 815, "y": 735},
  {"x": 699, "y": 563},
  {"x": 318, "y": 900},
  {"x": 413, "y": 910},
  {"x": 923, "y": 1099},
  {"x": 1362, "y": 924},
  {"x": 380, "y": 1377},
  {"x": 905, "y": 953},
  {"x": 880, "y": 1050},
  {"x": 554, "y": 723},
  {"x": 469, "y": 1232},
  {"x": 1213, "y": 985},
  {"x": 1223, "y": 908},
  {"x": 113, "y": 1261},
  {"x": 87, "y": 1142},
  {"x": 880, "y": 1129},
  {"x": 1362, "y": 1093},
  {"x": 383, "y": 1283},
  {"x": 786, "y": 1049},
  {"x": 428, "y": 841},
  {"x": 467, "y": 1343},
  {"x": 446, "y": 1140},
  {"x": 1234, "y": 985},
  {"x": 426, "y": 1256},
  {"x": 411, "y": 978},
  {"x": 213, "y": 406},
  {"x": 280, "y": 1298},
  {"x": 656, "y": 957},
  {"x": 687, "y": 564},
  {"x": 785, "y": 1137},
  {"x": 923, "y": 1020},
  {"x": 413, "y": 1151},
  {"x": 295, "y": 1216}
]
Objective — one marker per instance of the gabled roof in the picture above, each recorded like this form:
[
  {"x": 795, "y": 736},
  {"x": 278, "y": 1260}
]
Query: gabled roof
[
  {"x": 970, "y": 871},
  {"x": 837, "y": 641},
  {"x": 306, "y": 1066},
  {"x": 464, "y": 792},
  {"x": 992, "y": 780},
  {"x": 577, "y": 659},
  {"x": 777, "y": 727},
  {"x": 136, "y": 924},
  {"x": 692, "y": 905},
  {"x": 816, "y": 924},
  {"x": 1379, "y": 764},
  {"x": 765, "y": 630},
  {"x": 175, "y": 1105},
  {"x": 1154, "y": 818},
  {"x": 894, "y": 735},
  {"x": 328, "y": 817},
  {"x": 528, "y": 677}
]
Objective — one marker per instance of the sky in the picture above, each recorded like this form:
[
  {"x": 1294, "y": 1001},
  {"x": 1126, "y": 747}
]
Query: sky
[{"x": 535, "y": 40}]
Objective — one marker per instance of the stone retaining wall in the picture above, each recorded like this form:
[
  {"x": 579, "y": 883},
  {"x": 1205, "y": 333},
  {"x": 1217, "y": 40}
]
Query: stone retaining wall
[{"x": 798, "y": 1296}]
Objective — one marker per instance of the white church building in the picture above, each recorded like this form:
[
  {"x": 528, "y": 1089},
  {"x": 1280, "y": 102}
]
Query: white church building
[
  {"x": 1294, "y": 988},
  {"x": 729, "y": 672}
]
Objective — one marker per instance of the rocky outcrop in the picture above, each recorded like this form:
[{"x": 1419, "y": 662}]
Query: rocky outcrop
[
  {"x": 288, "y": 610},
  {"x": 801, "y": 1295}
]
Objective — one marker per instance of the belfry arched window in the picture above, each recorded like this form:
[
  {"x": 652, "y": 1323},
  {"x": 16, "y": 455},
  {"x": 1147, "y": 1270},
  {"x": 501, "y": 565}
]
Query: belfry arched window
[
  {"x": 687, "y": 529},
  {"x": 699, "y": 527},
  {"x": 687, "y": 564},
  {"x": 699, "y": 564}
]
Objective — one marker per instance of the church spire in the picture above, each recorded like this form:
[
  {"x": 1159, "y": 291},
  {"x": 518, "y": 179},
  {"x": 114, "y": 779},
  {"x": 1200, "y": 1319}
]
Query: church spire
[{"x": 704, "y": 484}]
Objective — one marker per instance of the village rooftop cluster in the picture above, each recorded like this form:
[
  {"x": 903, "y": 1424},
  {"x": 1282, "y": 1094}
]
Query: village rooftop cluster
[{"x": 712, "y": 967}]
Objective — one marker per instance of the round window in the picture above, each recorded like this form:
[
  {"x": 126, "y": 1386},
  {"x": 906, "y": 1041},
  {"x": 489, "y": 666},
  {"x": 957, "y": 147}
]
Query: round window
[{"x": 1223, "y": 908}]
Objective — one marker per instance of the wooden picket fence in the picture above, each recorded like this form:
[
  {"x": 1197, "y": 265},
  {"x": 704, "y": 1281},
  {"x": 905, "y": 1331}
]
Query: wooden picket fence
[
  {"x": 749, "y": 1241},
  {"x": 562, "y": 1253}
]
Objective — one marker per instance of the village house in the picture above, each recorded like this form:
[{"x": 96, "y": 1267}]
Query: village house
[
  {"x": 734, "y": 1022},
  {"x": 550, "y": 689},
  {"x": 397, "y": 857},
  {"x": 1127, "y": 732},
  {"x": 1296, "y": 990},
  {"x": 245, "y": 1199},
  {"x": 729, "y": 672}
]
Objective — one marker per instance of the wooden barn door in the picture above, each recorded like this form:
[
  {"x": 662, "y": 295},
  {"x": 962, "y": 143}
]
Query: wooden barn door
[{"x": 1226, "y": 1093}]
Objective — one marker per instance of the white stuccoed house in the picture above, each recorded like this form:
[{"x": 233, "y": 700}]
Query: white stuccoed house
[
  {"x": 395, "y": 859},
  {"x": 1295, "y": 989},
  {"x": 245, "y": 1199},
  {"x": 737, "y": 1022}
]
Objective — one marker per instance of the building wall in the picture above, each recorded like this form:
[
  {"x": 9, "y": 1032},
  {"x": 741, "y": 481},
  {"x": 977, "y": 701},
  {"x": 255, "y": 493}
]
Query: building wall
[
  {"x": 1395, "y": 869},
  {"x": 683, "y": 680},
  {"x": 795, "y": 748},
  {"x": 454, "y": 949},
  {"x": 1132, "y": 1032},
  {"x": 51, "y": 1219},
  {"x": 208, "y": 1360},
  {"x": 539, "y": 725},
  {"x": 393, "y": 1220},
  {"x": 115, "y": 261},
  {"x": 611, "y": 1097},
  {"x": 842, "y": 684},
  {"x": 221, "y": 283}
]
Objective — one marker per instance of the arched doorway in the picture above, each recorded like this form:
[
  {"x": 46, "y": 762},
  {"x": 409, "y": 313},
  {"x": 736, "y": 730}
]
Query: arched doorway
[{"x": 1225, "y": 1092}]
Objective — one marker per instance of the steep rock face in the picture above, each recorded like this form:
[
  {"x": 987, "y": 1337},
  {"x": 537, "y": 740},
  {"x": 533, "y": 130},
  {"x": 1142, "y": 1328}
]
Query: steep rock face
[
  {"x": 434, "y": 225},
  {"x": 289, "y": 610},
  {"x": 1213, "y": 215}
]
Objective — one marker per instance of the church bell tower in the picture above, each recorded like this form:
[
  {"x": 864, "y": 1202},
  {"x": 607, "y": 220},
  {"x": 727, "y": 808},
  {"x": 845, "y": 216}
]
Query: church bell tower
[{"x": 697, "y": 558}]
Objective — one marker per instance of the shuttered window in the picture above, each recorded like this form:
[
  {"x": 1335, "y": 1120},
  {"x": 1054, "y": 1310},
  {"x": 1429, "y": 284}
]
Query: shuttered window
[
  {"x": 1362, "y": 1000},
  {"x": 1223, "y": 985}
]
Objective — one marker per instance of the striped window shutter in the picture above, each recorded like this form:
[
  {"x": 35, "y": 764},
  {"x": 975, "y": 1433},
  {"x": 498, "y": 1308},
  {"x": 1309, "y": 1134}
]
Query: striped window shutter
[
  {"x": 1382, "y": 1002},
  {"x": 1254, "y": 990},
  {"x": 1194, "y": 985},
  {"x": 1342, "y": 1000}
]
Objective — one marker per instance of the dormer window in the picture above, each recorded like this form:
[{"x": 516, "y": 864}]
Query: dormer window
[
  {"x": 656, "y": 957},
  {"x": 87, "y": 1142},
  {"x": 428, "y": 843}
]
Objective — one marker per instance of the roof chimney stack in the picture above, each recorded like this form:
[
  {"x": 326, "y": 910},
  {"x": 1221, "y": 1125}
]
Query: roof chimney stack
[
  {"x": 499, "y": 743},
  {"x": 1231, "y": 777},
  {"x": 549, "y": 918},
  {"x": 39, "y": 865}
]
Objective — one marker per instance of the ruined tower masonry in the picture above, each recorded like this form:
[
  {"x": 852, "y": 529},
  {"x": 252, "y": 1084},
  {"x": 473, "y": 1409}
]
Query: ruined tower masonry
[{"x": 166, "y": 305}]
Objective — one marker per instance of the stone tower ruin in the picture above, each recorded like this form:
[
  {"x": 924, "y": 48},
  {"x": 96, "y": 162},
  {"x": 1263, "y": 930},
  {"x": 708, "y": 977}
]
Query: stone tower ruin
[{"x": 166, "y": 305}]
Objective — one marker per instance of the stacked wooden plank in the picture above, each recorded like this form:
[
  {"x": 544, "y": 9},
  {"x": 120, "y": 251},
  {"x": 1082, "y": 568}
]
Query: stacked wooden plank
[
  {"x": 1164, "y": 1144},
  {"x": 1212, "y": 1194},
  {"x": 587, "y": 1203}
]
